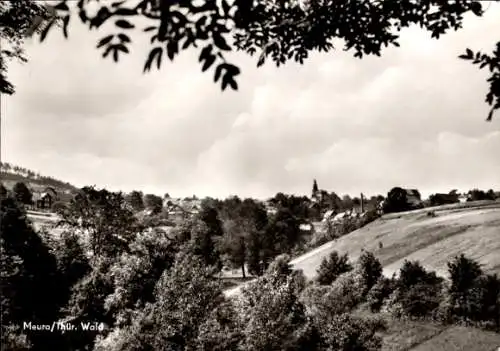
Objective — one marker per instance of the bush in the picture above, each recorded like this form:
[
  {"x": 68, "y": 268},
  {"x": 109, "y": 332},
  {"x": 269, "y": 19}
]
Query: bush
[
  {"x": 370, "y": 269},
  {"x": 59, "y": 207},
  {"x": 381, "y": 291},
  {"x": 346, "y": 332},
  {"x": 421, "y": 299},
  {"x": 342, "y": 296},
  {"x": 332, "y": 267},
  {"x": 418, "y": 293},
  {"x": 270, "y": 312},
  {"x": 464, "y": 274}
]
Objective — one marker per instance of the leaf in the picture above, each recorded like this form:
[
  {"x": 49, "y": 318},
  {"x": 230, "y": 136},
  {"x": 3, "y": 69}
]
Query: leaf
[
  {"x": 105, "y": 40},
  {"x": 122, "y": 48},
  {"x": 469, "y": 53},
  {"x": 476, "y": 8},
  {"x": 118, "y": 3},
  {"x": 218, "y": 72},
  {"x": 232, "y": 69},
  {"x": 115, "y": 54},
  {"x": 124, "y": 38},
  {"x": 155, "y": 52},
  {"x": 172, "y": 49},
  {"x": 150, "y": 28},
  {"x": 126, "y": 12},
  {"x": 220, "y": 42},
  {"x": 490, "y": 116},
  {"x": 62, "y": 6},
  {"x": 205, "y": 52},
  {"x": 186, "y": 44},
  {"x": 45, "y": 31},
  {"x": 228, "y": 79},
  {"x": 83, "y": 16},
  {"x": 208, "y": 62},
  {"x": 124, "y": 24},
  {"x": 107, "y": 51},
  {"x": 262, "y": 59},
  {"x": 65, "y": 25},
  {"x": 233, "y": 84}
]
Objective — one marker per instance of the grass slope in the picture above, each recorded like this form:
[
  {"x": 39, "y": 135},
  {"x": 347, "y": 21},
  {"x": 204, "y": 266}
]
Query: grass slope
[
  {"x": 461, "y": 338},
  {"x": 471, "y": 228},
  {"x": 432, "y": 240}
]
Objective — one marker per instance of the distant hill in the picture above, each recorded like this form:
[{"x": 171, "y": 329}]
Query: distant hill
[{"x": 11, "y": 174}]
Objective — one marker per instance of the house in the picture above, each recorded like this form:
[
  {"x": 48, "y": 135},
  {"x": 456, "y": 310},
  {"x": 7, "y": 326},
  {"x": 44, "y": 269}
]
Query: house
[
  {"x": 306, "y": 227},
  {"x": 328, "y": 215},
  {"x": 463, "y": 198},
  {"x": 443, "y": 199},
  {"x": 43, "y": 200}
]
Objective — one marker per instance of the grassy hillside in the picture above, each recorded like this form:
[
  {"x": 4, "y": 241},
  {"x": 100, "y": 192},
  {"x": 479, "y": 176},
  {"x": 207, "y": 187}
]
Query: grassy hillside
[
  {"x": 474, "y": 231},
  {"x": 11, "y": 174},
  {"x": 471, "y": 228}
]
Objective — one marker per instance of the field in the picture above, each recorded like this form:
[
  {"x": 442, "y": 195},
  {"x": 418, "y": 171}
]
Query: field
[
  {"x": 415, "y": 236},
  {"x": 424, "y": 336}
]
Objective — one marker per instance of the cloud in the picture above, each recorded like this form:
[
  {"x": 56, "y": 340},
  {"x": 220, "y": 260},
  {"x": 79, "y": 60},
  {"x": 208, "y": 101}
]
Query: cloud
[{"x": 414, "y": 117}]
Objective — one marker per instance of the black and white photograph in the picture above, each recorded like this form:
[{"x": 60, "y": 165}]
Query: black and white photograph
[{"x": 250, "y": 175}]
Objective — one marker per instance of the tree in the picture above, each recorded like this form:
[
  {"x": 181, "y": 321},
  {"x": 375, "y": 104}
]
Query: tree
[
  {"x": 16, "y": 18},
  {"x": 347, "y": 202},
  {"x": 370, "y": 269},
  {"x": 396, "y": 201},
  {"x": 332, "y": 267},
  {"x": 280, "y": 30},
  {"x": 32, "y": 288},
  {"x": 153, "y": 203},
  {"x": 22, "y": 193},
  {"x": 186, "y": 297},
  {"x": 271, "y": 314},
  {"x": 135, "y": 200},
  {"x": 103, "y": 219},
  {"x": 418, "y": 292},
  {"x": 3, "y": 191},
  {"x": 464, "y": 274}
]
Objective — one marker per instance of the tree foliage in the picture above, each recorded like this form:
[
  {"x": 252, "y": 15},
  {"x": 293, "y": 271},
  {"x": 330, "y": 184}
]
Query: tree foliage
[
  {"x": 492, "y": 62},
  {"x": 276, "y": 30},
  {"x": 17, "y": 19},
  {"x": 153, "y": 203},
  {"x": 22, "y": 193},
  {"x": 135, "y": 200},
  {"x": 32, "y": 289},
  {"x": 186, "y": 296},
  {"x": 102, "y": 217},
  {"x": 332, "y": 267},
  {"x": 396, "y": 201}
]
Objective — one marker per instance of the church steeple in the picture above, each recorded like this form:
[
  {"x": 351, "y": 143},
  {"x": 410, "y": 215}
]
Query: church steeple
[{"x": 315, "y": 189}]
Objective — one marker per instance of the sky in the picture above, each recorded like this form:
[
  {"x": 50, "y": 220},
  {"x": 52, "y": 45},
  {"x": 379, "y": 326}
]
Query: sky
[{"x": 414, "y": 118}]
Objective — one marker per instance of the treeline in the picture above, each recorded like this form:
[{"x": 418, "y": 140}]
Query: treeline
[
  {"x": 149, "y": 289},
  {"x": 8, "y": 170}
]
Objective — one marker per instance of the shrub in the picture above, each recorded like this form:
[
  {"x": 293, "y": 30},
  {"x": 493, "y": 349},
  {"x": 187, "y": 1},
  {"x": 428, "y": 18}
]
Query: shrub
[
  {"x": 270, "y": 312},
  {"x": 332, "y": 267},
  {"x": 379, "y": 293},
  {"x": 464, "y": 274},
  {"x": 421, "y": 299},
  {"x": 418, "y": 293},
  {"x": 346, "y": 332},
  {"x": 59, "y": 207},
  {"x": 342, "y": 296},
  {"x": 370, "y": 269}
]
